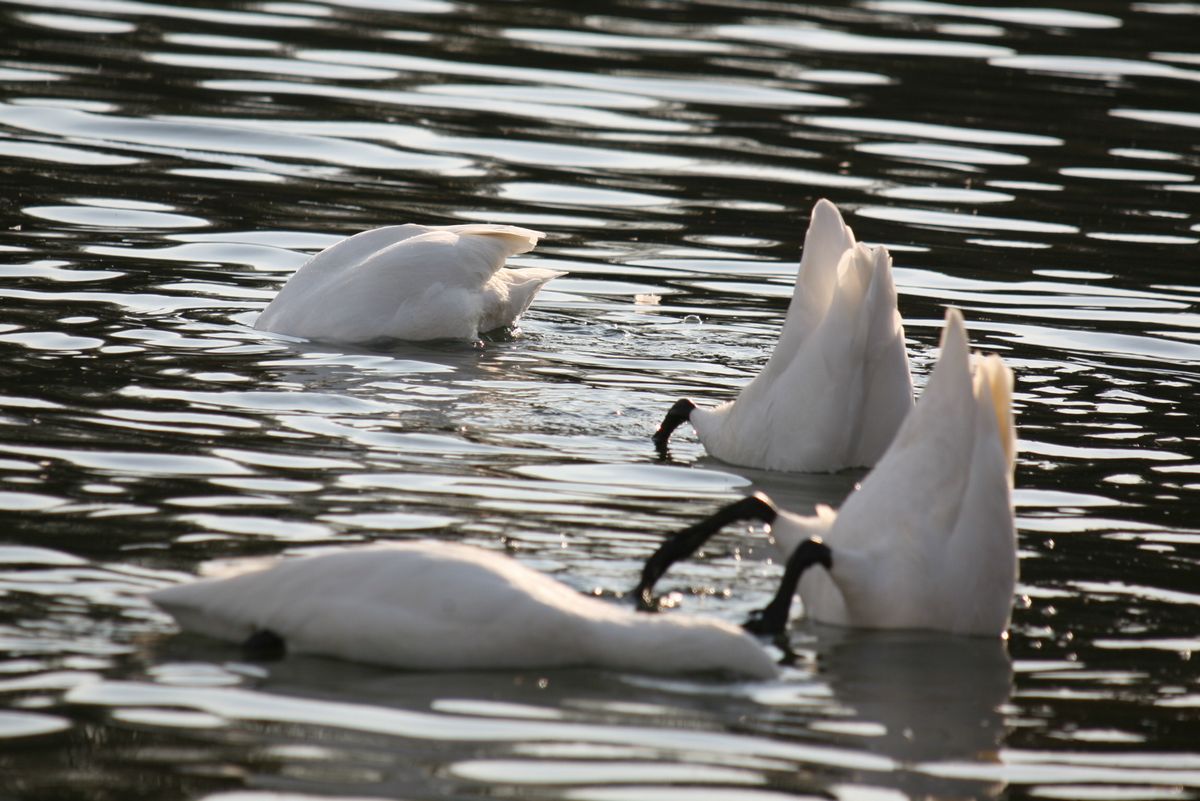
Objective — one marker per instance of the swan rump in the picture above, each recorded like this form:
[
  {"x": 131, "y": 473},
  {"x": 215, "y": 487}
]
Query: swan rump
[
  {"x": 837, "y": 386},
  {"x": 928, "y": 541},
  {"x": 409, "y": 282},
  {"x": 431, "y": 605}
]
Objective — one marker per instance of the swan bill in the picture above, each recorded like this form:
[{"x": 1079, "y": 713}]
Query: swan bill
[
  {"x": 686, "y": 542},
  {"x": 679, "y": 413},
  {"x": 772, "y": 620}
]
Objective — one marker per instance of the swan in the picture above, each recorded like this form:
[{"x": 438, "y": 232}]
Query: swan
[
  {"x": 928, "y": 541},
  {"x": 432, "y": 605},
  {"x": 837, "y": 385},
  {"x": 409, "y": 282}
]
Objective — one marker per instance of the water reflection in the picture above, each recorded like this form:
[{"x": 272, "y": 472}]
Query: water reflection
[{"x": 921, "y": 698}]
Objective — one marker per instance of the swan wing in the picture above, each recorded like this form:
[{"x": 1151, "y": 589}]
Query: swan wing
[
  {"x": 400, "y": 282},
  {"x": 840, "y": 395},
  {"x": 980, "y": 568},
  {"x": 913, "y": 493},
  {"x": 827, "y": 238},
  {"x": 414, "y": 605},
  {"x": 887, "y": 378},
  {"x": 438, "y": 605},
  {"x": 928, "y": 538}
]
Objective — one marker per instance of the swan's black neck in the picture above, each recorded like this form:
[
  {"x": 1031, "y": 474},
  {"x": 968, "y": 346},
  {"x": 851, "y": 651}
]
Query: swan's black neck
[
  {"x": 678, "y": 414},
  {"x": 772, "y": 620},
  {"x": 686, "y": 542}
]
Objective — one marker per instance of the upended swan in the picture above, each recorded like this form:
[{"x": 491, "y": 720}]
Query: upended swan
[
  {"x": 409, "y": 282},
  {"x": 430, "y": 605},
  {"x": 837, "y": 385},
  {"x": 928, "y": 541}
]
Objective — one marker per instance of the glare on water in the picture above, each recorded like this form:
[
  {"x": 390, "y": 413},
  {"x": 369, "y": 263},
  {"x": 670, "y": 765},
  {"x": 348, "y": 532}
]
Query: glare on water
[{"x": 169, "y": 165}]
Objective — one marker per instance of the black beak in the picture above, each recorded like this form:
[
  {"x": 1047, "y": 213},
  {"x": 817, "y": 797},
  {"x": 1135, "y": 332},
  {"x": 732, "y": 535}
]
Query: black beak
[
  {"x": 772, "y": 620},
  {"x": 679, "y": 413},
  {"x": 688, "y": 541}
]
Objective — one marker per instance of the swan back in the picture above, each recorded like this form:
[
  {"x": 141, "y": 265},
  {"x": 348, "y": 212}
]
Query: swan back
[
  {"x": 404, "y": 282},
  {"x": 928, "y": 541},
  {"x": 837, "y": 386},
  {"x": 434, "y": 605}
]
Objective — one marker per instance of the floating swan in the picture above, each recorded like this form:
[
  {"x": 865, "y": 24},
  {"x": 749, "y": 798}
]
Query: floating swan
[
  {"x": 409, "y": 282},
  {"x": 928, "y": 541},
  {"x": 432, "y": 605},
  {"x": 837, "y": 386}
]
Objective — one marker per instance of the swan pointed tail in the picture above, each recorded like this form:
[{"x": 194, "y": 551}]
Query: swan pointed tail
[
  {"x": 994, "y": 381},
  {"x": 515, "y": 289},
  {"x": 991, "y": 379},
  {"x": 686, "y": 542},
  {"x": 826, "y": 240}
]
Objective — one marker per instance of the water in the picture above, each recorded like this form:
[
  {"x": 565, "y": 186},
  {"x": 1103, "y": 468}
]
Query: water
[{"x": 167, "y": 166}]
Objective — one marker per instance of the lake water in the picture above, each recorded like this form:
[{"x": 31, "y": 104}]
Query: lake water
[{"x": 166, "y": 167}]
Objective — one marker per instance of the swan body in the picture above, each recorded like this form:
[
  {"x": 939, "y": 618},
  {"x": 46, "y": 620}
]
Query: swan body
[
  {"x": 837, "y": 386},
  {"x": 409, "y": 282},
  {"x": 431, "y": 605},
  {"x": 928, "y": 541}
]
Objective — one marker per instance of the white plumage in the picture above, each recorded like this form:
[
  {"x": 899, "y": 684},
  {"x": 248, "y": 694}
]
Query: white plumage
[
  {"x": 409, "y": 282},
  {"x": 433, "y": 605},
  {"x": 837, "y": 385},
  {"x": 928, "y": 541}
]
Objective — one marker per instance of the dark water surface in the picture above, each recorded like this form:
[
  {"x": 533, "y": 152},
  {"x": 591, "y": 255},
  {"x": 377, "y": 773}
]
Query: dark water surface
[{"x": 166, "y": 167}]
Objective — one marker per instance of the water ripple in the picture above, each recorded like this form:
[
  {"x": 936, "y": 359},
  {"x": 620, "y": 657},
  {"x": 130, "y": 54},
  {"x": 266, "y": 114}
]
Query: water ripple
[
  {"x": 212, "y": 137},
  {"x": 171, "y": 164}
]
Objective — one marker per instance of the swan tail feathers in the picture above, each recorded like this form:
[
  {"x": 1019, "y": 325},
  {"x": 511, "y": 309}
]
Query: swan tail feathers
[
  {"x": 515, "y": 240},
  {"x": 827, "y": 238},
  {"x": 955, "y": 348},
  {"x": 992, "y": 380},
  {"x": 994, "y": 385},
  {"x": 521, "y": 285}
]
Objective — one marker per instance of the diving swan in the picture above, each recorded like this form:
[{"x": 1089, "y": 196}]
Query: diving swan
[
  {"x": 928, "y": 541},
  {"x": 409, "y": 282},
  {"x": 837, "y": 385}
]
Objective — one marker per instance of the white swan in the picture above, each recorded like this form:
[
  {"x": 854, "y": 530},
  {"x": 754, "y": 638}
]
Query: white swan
[
  {"x": 409, "y": 282},
  {"x": 837, "y": 385},
  {"x": 928, "y": 541},
  {"x": 432, "y": 605}
]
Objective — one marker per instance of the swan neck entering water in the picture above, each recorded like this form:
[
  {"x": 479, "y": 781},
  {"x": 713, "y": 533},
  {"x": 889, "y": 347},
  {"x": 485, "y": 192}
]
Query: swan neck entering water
[
  {"x": 773, "y": 619},
  {"x": 686, "y": 542},
  {"x": 677, "y": 415}
]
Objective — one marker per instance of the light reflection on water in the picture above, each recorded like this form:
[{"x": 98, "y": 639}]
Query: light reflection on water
[{"x": 170, "y": 165}]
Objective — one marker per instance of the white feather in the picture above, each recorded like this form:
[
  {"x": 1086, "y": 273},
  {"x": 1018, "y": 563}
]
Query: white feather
[
  {"x": 409, "y": 282},
  {"x": 928, "y": 541},
  {"x": 837, "y": 385},
  {"x": 433, "y": 605}
]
